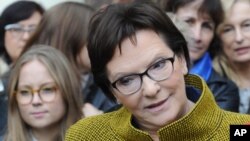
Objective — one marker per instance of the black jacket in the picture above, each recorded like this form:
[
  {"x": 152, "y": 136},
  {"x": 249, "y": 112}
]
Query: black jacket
[
  {"x": 3, "y": 103},
  {"x": 226, "y": 93},
  {"x": 94, "y": 95}
]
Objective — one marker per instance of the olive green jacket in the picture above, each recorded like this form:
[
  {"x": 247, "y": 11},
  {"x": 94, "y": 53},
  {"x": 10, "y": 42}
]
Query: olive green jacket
[{"x": 206, "y": 121}]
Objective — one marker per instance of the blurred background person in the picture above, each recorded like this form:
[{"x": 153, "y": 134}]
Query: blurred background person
[
  {"x": 17, "y": 22},
  {"x": 97, "y": 4},
  {"x": 44, "y": 97},
  {"x": 69, "y": 35},
  {"x": 202, "y": 17},
  {"x": 233, "y": 60}
]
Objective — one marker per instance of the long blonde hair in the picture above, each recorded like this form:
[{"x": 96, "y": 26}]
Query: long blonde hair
[
  {"x": 66, "y": 79},
  {"x": 221, "y": 62}
]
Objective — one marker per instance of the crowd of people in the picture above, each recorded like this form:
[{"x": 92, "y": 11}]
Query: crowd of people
[{"x": 141, "y": 70}]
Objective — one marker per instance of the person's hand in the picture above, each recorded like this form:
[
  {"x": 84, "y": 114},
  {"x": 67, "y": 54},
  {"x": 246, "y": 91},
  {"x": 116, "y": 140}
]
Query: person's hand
[{"x": 90, "y": 110}]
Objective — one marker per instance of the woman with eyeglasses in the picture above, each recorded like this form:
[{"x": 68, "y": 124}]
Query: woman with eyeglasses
[
  {"x": 140, "y": 59},
  {"x": 233, "y": 59},
  {"x": 71, "y": 38},
  {"x": 17, "y": 22},
  {"x": 45, "y": 97}
]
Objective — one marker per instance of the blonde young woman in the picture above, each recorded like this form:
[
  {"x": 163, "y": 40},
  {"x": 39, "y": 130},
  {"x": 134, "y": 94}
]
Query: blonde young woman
[
  {"x": 17, "y": 22},
  {"x": 234, "y": 59},
  {"x": 44, "y": 96}
]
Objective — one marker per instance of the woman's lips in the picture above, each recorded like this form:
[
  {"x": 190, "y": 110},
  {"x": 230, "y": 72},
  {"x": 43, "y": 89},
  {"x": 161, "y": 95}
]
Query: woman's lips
[
  {"x": 195, "y": 49},
  {"x": 242, "y": 50},
  {"x": 156, "y": 107},
  {"x": 38, "y": 114}
]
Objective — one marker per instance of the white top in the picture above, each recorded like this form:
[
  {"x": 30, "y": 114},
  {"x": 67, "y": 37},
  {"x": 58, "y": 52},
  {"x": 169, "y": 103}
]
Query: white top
[
  {"x": 244, "y": 100},
  {"x": 32, "y": 136}
]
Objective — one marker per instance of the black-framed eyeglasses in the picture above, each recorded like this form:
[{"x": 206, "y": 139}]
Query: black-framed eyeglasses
[
  {"x": 159, "y": 71},
  {"x": 46, "y": 93}
]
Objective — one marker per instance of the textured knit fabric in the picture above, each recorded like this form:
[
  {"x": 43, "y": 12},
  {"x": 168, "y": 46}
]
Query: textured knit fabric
[{"x": 206, "y": 121}]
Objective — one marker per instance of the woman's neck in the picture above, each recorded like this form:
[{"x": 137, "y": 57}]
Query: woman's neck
[
  {"x": 154, "y": 136},
  {"x": 46, "y": 134},
  {"x": 242, "y": 71},
  {"x": 153, "y": 130}
]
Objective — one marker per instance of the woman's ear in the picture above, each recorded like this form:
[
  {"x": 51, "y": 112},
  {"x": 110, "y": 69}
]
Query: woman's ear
[
  {"x": 117, "y": 99},
  {"x": 115, "y": 95},
  {"x": 184, "y": 67}
]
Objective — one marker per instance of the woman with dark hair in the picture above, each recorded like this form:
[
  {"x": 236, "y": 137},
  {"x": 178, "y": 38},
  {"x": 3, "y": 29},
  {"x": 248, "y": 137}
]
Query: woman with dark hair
[
  {"x": 139, "y": 58},
  {"x": 17, "y": 22},
  {"x": 202, "y": 17}
]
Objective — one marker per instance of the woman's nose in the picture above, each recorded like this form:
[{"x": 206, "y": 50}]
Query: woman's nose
[{"x": 150, "y": 87}]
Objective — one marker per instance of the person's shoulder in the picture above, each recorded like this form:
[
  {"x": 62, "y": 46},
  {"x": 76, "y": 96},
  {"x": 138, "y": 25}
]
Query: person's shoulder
[
  {"x": 236, "y": 118},
  {"x": 218, "y": 83},
  {"x": 91, "y": 127},
  {"x": 91, "y": 122},
  {"x": 216, "y": 77},
  {"x": 227, "y": 119},
  {"x": 3, "y": 66}
]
